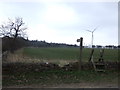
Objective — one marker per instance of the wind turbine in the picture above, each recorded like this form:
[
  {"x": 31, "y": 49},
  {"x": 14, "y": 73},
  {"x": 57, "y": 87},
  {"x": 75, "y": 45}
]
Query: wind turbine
[{"x": 92, "y": 35}]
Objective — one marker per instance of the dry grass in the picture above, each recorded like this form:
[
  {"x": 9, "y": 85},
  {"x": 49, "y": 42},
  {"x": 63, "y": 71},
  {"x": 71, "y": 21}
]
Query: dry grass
[{"x": 18, "y": 56}]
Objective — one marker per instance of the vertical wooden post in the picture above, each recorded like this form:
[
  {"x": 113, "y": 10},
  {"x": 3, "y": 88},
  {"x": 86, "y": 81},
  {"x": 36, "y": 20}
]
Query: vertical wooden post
[
  {"x": 91, "y": 55},
  {"x": 101, "y": 55},
  {"x": 81, "y": 46}
]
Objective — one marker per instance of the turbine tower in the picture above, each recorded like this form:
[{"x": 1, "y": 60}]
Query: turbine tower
[{"x": 92, "y": 35}]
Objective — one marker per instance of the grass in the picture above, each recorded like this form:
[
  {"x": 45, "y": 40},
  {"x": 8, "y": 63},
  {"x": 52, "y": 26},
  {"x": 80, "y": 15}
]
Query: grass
[
  {"x": 59, "y": 77},
  {"x": 52, "y": 53},
  {"x": 51, "y": 77},
  {"x": 69, "y": 54}
]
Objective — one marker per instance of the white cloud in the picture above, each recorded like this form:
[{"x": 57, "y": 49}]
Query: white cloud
[
  {"x": 59, "y": 14},
  {"x": 42, "y": 32}
]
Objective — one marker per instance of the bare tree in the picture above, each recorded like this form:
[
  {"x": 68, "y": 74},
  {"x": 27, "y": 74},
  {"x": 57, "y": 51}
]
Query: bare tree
[{"x": 13, "y": 29}]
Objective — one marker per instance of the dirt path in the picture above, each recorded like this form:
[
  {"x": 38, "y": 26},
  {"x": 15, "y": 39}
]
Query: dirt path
[{"x": 72, "y": 85}]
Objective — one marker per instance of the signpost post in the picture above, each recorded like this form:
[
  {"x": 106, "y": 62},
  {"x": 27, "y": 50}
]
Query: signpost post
[{"x": 81, "y": 46}]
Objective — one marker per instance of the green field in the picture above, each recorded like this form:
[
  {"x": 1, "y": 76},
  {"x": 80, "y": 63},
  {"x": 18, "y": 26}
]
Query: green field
[
  {"x": 15, "y": 74},
  {"x": 69, "y": 54}
]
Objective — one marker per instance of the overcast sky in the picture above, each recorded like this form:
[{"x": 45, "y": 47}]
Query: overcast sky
[{"x": 65, "y": 22}]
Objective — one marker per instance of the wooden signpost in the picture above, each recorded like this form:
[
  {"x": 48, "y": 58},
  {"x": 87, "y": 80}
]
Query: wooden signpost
[{"x": 81, "y": 46}]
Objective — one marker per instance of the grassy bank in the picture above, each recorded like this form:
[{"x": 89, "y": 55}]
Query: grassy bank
[{"x": 58, "y": 77}]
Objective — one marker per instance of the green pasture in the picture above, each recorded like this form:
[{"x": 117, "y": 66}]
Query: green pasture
[
  {"x": 69, "y": 54},
  {"x": 25, "y": 77}
]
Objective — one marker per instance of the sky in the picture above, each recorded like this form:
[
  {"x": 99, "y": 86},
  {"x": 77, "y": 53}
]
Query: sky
[{"x": 65, "y": 22}]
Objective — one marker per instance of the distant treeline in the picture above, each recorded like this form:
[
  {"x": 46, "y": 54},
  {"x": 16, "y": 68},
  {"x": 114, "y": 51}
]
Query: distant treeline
[
  {"x": 35, "y": 43},
  {"x": 107, "y": 46},
  {"x": 10, "y": 44}
]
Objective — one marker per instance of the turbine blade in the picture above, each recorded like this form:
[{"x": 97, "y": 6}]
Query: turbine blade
[
  {"x": 88, "y": 30},
  {"x": 95, "y": 29}
]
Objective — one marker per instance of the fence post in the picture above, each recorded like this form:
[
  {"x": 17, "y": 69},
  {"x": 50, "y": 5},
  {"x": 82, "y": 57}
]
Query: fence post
[
  {"x": 81, "y": 46},
  {"x": 101, "y": 55}
]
